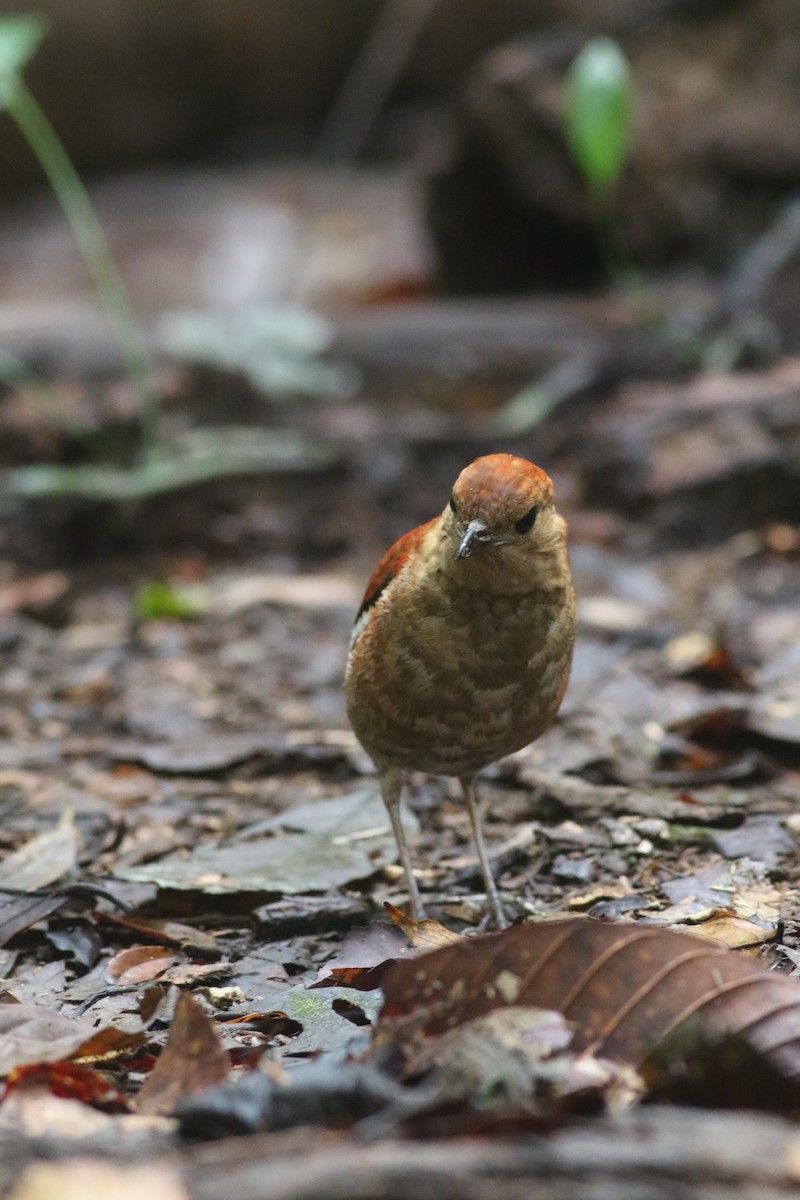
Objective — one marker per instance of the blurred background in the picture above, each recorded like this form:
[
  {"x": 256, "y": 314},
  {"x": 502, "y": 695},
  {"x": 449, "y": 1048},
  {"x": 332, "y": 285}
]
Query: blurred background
[{"x": 362, "y": 250}]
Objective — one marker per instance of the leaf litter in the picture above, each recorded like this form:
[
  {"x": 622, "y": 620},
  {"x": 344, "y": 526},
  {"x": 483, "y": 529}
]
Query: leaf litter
[{"x": 213, "y": 783}]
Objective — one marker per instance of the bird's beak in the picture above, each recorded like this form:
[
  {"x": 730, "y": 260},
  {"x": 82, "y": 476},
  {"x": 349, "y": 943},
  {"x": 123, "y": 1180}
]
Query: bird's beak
[{"x": 476, "y": 533}]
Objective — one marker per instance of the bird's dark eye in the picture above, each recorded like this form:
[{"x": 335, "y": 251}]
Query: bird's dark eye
[
  {"x": 452, "y": 503},
  {"x": 525, "y": 524}
]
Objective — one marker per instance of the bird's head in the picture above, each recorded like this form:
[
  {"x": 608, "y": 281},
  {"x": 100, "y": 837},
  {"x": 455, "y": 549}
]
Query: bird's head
[{"x": 500, "y": 519}]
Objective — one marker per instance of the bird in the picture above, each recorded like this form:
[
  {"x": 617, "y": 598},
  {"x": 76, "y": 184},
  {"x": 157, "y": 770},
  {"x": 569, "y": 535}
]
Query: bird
[{"x": 462, "y": 646}]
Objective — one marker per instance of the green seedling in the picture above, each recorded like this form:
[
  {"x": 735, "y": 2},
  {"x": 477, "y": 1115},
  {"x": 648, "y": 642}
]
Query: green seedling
[
  {"x": 599, "y": 112},
  {"x": 598, "y": 127},
  {"x": 160, "y": 601},
  {"x": 598, "y": 122},
  {"x": 278, "y": 350}
]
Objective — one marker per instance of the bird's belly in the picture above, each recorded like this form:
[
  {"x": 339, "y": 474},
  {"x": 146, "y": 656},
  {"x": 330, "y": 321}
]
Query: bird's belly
[{"x": 456, "y": 696}]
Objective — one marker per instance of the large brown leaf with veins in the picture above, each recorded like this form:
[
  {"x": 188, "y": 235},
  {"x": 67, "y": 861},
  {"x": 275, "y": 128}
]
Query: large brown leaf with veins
[{"x": 622, "y": 987}]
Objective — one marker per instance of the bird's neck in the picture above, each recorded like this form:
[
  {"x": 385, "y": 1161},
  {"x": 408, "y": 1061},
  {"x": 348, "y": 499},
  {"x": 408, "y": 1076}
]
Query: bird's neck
[{"x": 545, "y": 570}]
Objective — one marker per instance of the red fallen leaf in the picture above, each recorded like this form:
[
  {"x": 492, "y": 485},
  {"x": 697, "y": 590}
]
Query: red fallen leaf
[
  {"x": 192, "y": 1060},
  {"x": 140, "y": 964},
  {"x": 69, "y": 1081},
  {"x": 623, "y": 987}
]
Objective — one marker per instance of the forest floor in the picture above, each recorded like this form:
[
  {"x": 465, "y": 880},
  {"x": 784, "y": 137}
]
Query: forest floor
[{"x": 185, "y": 810}]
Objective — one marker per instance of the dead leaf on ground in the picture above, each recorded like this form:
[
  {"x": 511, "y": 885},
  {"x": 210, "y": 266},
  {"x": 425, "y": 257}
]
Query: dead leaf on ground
[
  {"x": 338, "y": 841},
  {"x": 624, "y": 987},
  {"x": 727, "y": 929},
  {"x": 140, "y": 964},
  {"x": 364, "y": 958},
  {"x": 192, "y": 1060},
  {"x": 217, "y": 754},
  {"x": 368, "y": 953},
  {"x": 30, "y": 1033},
  {"x": 760, "y": 837},
  {"x": 186, "y": 937},
  {"x": 42, "y": 860},
  {"x": 512, "y": 1059},
  {"x": 69, "y": 1081},
  {"x": 422, "y": 935},
  {"x": 270, "y": 1024},
  {"x": 19, "y": 913},
  {"x": 707, "y": 659},
  {"x": 740, "y": 886}
]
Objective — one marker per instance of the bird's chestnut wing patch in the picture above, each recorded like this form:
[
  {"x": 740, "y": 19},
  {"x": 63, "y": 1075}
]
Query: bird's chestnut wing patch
[{"x": 390, "y": 566}]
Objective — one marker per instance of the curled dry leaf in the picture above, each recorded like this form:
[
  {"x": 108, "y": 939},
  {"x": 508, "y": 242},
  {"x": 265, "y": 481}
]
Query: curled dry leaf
[
  {"x": 140, "y": 964},
  {"x": 623, "y": 987},
  {"x": 423, "y": 935}
]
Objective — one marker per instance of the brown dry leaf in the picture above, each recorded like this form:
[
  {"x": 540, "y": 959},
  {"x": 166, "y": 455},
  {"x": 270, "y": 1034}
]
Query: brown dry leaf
[
  {"x": 370, "y": 952},
  {"x": 726, "y": 929},
  {"x": 192, "y": 1060},
  {"x": 140, "y": 964},
  {"x": 84, "y": 1177},
  {"x": 364, "y": 958},
  {"x": 361, "y": 979},
  {"x": 172, "y": 932},
  {"x": 624, "y": 987},
  {"x": 109, "y": 1043},
  {"x": 31, "y": 1033},
  {"x": 43, "y": 859},
  {"x": 184, "y": 974},
  {"x": 21, "y": 912},
  {"x": 423, "y": 935}
]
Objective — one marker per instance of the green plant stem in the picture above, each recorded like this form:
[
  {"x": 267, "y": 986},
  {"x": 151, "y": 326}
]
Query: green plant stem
[
  {"x": 627, "y": 276},
  {"x": 94, "y": 249}
]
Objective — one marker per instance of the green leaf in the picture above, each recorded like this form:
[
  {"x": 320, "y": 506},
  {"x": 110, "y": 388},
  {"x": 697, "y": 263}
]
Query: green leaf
[
  {"x": 205, "y": 454},
  {"x": 159, "y": 601},
  {"x": 19, "y": 40},
  {"x": 599, "y": 106}
]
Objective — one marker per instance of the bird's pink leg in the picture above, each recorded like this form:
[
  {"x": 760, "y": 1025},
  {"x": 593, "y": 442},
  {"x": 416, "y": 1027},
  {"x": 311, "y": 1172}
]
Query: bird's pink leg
[
  {"x": 391, "y": 783},
  {"x": 492, "y": 895}
]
